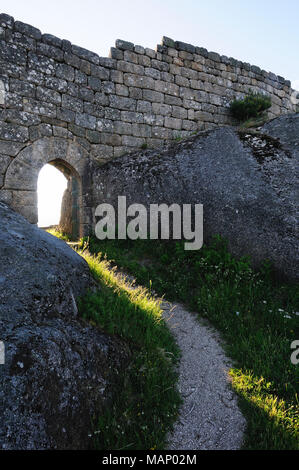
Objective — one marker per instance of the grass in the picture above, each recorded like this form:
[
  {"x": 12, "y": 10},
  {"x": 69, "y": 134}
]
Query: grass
[
  {"x": 255, "y": 313},
  {"x": 146, "y": 405}
]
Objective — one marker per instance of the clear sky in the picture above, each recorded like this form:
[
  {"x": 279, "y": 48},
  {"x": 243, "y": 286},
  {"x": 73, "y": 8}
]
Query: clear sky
[{"x": 261, "y": 32}]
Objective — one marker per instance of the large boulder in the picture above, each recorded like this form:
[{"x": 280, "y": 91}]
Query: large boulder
[
  {"x": 247, "y": 182},
  {"x": 59, "y": 372}
]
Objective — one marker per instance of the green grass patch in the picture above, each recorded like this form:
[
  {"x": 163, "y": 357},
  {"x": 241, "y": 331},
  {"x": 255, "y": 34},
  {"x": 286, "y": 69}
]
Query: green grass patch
[
  {"x": 255, "y": 313},
  {"x": 146, "y": 406}
]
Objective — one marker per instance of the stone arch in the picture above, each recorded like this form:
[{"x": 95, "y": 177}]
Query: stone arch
[{"x": 67, "y": 156}]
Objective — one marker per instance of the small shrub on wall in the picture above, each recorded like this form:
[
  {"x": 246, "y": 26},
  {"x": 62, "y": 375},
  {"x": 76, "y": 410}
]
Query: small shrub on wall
[{"x": 252, "y": 106}]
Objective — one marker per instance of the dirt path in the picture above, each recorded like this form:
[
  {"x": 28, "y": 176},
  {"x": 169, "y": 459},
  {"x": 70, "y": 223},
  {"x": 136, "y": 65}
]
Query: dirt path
[{"x": 209, "y": 417}]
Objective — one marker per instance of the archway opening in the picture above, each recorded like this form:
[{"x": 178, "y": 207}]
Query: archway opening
[{"x": 58, "y": 194}]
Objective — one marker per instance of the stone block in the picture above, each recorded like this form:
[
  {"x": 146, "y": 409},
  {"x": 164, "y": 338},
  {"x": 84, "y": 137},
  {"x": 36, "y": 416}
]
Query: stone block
[
  {"x": 173, "y": 100},
  {"x": 72, "y": 103},
  {"x": 150, "y": 53},
  {"x": 121, "y": 90},
  {"x": 85, "y": 120},
  {"x": 107, "y": 62},
  {"x": 22, "y": 88},
  {"x": 162, "y": 66},
  {"x": 31, "y": 105},
  {"x": 65, "y": 115},
  {"x": 48, "y": 95},
  {"x": 105, "y": 125},
  {"x": 179, "y": 112},
  {"x": 50, "y": 51},
  {"x": 173, "y": 123},
  {"x": 167, "y": 77},
  {"x": 85, "y": 54},
  {"x": 128, "y": 67},
  {"x": 153, "y": 119},
  {"x": 139, "y": 50},
  {"x": 6, "y": 21},
  {"x": 153, "y": 73},
  {"x": 130, "y": 56},
  {"x": 52, "y": 40},
  {"x": 102, "y": 99},
  {"x": 144, "y": 60},
  {"x": 168, "y": 88},
  {"x": 41, "y": 130},
  {"x": 111, "y": 139},
  {"x": 65, "y": 72},
  {"x": 161, "y": 133},
  {"x": 10, "y": 53},
  {"x": 19, "y": 117},
  {"x": 124, "y": 45},
  {"x": 27, "y": 30},
  {"x": 131, "y": 141},
  {"x": 162, "y": 109},
  {"x": 60, "y": 132},
  {"x": 144, "y": 106},
  {"x": 135, "y": 93},
  {"x": 182, "y": 81},
  {"x": 102, "y": 151},
  {"x": 121, "y": 127},
  {"x": 117, "y": 76},
  {"x": 150, "y": 95},
  {"x": 141, "y": 130},
  {"x": 182, "y": 46},
  {"x": 99, "y": 72},
  {"x": 94, "y": 137},
  {"x": 56, "y": 84},
  {"x": 123, "y": 103},
  {"x": 116, "y": 54},
  {"x": 139, "y": 81},
  {"x": 132, "y": 117},
  {"x": 108, "y": 87},
  {"x": 80, "y": 77},
  {"x": 112, "y": 114}
]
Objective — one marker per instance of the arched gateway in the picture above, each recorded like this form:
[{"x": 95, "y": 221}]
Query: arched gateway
[{"x": 72, "y": 160}]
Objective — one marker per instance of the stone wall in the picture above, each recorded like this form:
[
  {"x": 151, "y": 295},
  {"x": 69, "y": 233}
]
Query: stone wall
[{"x": 106, "y": 107}]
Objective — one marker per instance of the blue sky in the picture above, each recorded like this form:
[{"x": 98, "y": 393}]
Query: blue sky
[{"x": 262, "y": 32}]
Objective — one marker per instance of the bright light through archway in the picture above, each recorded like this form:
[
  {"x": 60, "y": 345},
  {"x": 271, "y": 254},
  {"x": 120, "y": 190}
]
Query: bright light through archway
[{"x": 50, "y": 188}]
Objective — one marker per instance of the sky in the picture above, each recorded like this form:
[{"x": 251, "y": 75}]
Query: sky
[
  {"x": 49, "y": 201},
  {"x": 261, "y": 32}
]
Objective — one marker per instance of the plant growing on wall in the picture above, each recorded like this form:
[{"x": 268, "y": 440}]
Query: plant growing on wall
[{"x": 252, "y": 106}]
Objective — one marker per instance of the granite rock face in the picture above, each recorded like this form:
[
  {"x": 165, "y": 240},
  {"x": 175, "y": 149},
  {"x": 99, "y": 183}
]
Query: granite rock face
[
  {"x": 246, "y": 181},
  {"x": 59, "y": 372}
]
